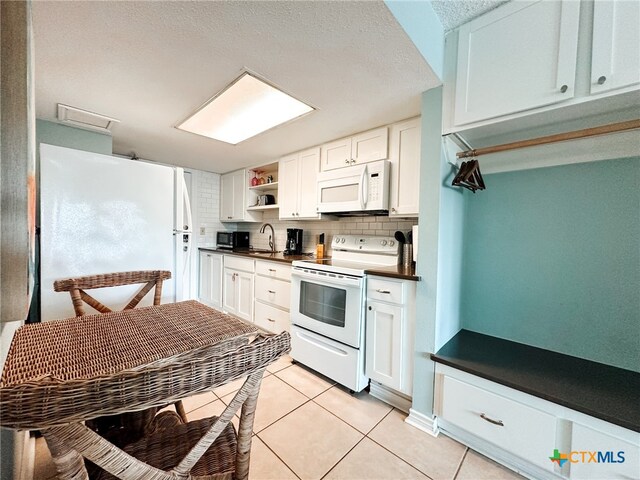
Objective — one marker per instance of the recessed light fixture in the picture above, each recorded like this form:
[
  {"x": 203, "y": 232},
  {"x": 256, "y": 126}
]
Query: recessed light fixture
[{"x": 245, "y": 108}]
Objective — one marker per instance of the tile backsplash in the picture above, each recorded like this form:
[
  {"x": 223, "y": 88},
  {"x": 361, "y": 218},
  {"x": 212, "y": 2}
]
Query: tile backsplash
[
  {"x": 382, "y": 226},
  {"x": 205, "y": 198}
]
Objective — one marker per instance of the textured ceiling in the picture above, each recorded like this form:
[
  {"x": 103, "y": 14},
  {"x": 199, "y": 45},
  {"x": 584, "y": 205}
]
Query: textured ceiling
[
  {"x": 150, "y": 64},
  {"x": 453, "y": 13}
]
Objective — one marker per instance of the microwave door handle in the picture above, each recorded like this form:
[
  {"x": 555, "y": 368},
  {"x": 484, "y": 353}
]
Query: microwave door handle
[{"x": 364, "y": 188}]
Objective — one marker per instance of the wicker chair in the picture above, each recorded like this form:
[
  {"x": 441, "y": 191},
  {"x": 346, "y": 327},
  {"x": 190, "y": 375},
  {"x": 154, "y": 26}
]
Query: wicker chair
[
  {"x": 138, "y": 368},
  {"x": 76, "y": 288}
]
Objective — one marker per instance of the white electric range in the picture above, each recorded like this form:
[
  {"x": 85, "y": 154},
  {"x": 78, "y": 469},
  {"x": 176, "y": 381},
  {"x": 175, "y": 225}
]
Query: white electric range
[{"x": 328, "y": 306}]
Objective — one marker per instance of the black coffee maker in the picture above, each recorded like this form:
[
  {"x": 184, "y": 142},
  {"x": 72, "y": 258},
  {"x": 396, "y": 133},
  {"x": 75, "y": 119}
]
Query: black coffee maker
[{"x": 294, "y": 242}]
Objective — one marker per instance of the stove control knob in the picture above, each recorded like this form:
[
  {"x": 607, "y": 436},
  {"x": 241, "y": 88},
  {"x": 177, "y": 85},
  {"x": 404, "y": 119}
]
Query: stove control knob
[
  {"x": 342, "y": 240},
  {"x": 383, "y": 243},
  {"x": 337, "y": 240},
  {"x": 391, "y": 243}
]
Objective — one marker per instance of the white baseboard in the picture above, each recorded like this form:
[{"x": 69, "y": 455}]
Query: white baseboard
[
  {"x": 423, "y": 422},
  {"x": 387, "y": 395}
]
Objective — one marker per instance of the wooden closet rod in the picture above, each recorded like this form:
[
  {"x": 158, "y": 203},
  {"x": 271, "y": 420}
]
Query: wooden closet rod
[{"x": 560, "y": 137}]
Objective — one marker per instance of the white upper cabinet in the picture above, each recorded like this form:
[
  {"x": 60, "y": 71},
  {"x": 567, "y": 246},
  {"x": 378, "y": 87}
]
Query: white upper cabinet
[
  {"x": 336, "y": 154},
  {"x": 404, "y": 155},
  {"x": 615, "y": 55},
  {"x": 234, "y": 198},
  {"x": 364, "y": 147},
  {"x": 515, "y": 58},
  {"x": 297, "y": 188}
]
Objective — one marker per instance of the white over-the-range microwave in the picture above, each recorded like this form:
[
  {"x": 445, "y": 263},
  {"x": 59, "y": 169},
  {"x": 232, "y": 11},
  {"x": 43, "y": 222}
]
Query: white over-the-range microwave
[{"x": 352, "y": 190}]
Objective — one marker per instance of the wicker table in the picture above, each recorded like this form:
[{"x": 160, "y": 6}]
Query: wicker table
[{"x": 61, "y": 373}]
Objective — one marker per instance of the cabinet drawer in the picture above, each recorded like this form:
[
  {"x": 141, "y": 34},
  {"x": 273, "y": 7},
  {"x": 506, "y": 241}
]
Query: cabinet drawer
[
  {"x": 385, "y": 290},
  {"x": 271, "y": 318},
  {"x": 239, "y": 263},
  {"x": 274, "y": 270},
  {"x": 618, "y": 458},
  {"x": 275, "y": 292},
  {"x": 517, "y": 428}
]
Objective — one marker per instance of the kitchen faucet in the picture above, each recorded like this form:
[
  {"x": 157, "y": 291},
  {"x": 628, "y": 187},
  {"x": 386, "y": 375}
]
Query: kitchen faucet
[{"x": 271, "y": 237}]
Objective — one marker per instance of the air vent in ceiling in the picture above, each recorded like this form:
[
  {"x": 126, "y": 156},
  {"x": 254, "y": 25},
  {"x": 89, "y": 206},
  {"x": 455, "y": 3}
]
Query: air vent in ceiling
[{"x": 85, "y": 119}]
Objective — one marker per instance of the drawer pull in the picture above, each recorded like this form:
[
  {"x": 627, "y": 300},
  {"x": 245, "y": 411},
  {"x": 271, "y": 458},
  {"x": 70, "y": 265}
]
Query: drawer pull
[
  {"x": 271, "y": 291},
  {"x": 490, "y": 420},
  {"x": 272, "y": 269},
  {"x": 383, "y": 291},
  {"x": 271, "y": 320}
]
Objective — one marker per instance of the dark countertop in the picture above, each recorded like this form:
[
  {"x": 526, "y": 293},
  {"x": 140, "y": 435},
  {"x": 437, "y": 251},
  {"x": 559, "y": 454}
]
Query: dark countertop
[
  {"x": 602, "y": 391},
  {"x": 396, "y": 271}
]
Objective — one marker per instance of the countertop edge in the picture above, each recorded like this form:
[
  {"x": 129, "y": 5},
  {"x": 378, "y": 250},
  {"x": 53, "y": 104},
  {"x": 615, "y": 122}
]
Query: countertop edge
[
  {"x": 403, "y": 274},
  {"x": 526, "y": 368},
  {"x": 536, "y": 393}
]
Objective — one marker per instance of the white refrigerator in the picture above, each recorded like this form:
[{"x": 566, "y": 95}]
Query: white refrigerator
[{"x": 102, "y": 214}]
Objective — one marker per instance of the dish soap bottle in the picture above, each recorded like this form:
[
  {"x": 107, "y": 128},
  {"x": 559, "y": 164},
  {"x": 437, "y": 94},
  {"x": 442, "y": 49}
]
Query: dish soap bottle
[{"x": 320, "y": 246}]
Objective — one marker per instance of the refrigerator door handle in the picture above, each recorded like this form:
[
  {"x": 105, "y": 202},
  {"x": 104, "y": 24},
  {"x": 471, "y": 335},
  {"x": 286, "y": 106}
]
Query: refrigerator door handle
[{"x": 187, "y": 204}]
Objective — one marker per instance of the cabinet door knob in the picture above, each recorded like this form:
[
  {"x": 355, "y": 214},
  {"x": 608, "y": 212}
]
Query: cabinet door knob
[
  {"x": 393, "y": 209},
  {"x": 601, "y": 80},
  {"x": 353, "y": 161},
  {"x": 346, "y": 161},
  {"x": 491, "y": 420},
  {"x": 564, "y": 88},
  {"x": 370, "y": 308}
]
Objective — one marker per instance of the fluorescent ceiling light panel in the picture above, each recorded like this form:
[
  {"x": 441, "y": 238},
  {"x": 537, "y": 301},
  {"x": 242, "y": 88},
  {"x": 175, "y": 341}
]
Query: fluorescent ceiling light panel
[{"x": 246, "y": 108}]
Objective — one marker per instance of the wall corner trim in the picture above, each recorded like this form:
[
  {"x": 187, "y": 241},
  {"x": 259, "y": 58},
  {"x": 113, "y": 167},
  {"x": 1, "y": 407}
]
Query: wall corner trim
[{"x": 423, "y": 422}]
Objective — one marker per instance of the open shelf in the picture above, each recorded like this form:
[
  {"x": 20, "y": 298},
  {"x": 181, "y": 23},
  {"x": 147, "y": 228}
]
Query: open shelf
[
  {"x": 262, "y": 207},
  {"x": 265, "y": 186}
]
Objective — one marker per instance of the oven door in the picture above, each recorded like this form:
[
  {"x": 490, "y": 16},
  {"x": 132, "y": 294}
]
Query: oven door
[{"x": 327, "y": 303}]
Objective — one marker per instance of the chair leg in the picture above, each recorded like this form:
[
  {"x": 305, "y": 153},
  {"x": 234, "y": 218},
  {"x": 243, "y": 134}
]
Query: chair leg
[
  {"x": 69, "y": 463},
  {"x": 180, "y": 411},
  {"x": 245, "y": 429}
]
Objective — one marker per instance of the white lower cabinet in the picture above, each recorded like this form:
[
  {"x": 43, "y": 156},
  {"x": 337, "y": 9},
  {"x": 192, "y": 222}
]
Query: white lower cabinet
[
  {"x": 210, "y": 279},
  {"x": 384, "y": 344},
  {"x": 389, "y": 334},
  {"x": 272, "y": 296},
  {"x": 271, "y": 318},
  {"x": 500, "y": 421},
  {"x": 238, "y": 288},
  {"x": 523, "y": 431},
  {"x": 614, "y": 457}
]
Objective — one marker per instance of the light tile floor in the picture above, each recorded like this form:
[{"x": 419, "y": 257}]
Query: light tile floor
[{"x": 308, "y": 428}]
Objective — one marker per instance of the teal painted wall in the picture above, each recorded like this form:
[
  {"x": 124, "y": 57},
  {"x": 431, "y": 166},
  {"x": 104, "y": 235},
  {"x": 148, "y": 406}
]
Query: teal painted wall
[
  {"x": 70, "y": 137},
  {"x": 552, "y": 259},
  {"x": 423, "y": 26}
]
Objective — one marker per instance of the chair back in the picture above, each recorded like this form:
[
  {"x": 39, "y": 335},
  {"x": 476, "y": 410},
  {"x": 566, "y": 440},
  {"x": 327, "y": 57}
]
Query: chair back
[{"x": 77, "y": 286}]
